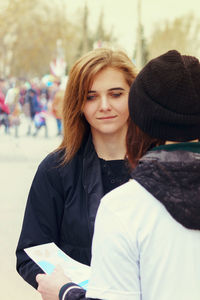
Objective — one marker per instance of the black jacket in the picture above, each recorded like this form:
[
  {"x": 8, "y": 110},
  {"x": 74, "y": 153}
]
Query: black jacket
[{"x": 61, "y": 208}]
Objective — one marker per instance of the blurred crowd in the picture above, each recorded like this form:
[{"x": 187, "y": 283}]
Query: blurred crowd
[{"x": 31, "y": 102}]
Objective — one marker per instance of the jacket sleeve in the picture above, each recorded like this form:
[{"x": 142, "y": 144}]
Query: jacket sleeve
[
  {"x": 72, "y": 291},
  {"x": 42, "y": 218}
]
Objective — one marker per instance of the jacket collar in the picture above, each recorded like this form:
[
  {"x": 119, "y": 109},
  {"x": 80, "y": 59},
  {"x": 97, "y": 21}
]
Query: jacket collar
[
  {"x": 188, "y": 146},
  {"x": 92, "y": 181},
  {"x": 172, "y": 177}
]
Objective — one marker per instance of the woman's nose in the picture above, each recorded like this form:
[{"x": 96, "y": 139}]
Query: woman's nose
[{"x": 104, "y": 103}]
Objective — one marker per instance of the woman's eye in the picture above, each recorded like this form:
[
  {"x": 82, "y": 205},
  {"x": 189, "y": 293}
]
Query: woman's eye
[
  {"x": 91, "y": 97},
  {"x": 116, "y": 95}
]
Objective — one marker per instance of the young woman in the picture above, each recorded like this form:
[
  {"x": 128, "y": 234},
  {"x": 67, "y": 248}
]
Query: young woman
[
  {"x": 90, "y": 161},
  {"x": 147, "y": 232}
]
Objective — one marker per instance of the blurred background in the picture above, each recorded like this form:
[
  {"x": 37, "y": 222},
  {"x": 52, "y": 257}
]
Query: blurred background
[
  {"x": 33, "y": 32},
  {"x": 39, "y": 42}
]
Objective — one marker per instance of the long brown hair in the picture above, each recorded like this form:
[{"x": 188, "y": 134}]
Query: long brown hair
[
  {"x": 138, "y": 143},
  {"x": 79, "y": 82}
]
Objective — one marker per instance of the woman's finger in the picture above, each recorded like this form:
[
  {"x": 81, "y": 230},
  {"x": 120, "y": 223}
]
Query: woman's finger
[{"x": 39, "y": 277}]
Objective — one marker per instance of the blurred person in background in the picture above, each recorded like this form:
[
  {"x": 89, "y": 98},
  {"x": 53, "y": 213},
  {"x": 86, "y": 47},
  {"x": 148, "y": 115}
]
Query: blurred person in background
[
  {"x": 12, "y": 100},
  {"x": 57, "y": 105},
  {"x": 91, "y": 160},
  {"x": 4, "y": 109},
  {"x": 40, "y": 121},
  {"x": 41, "y": 116},
  {"x": 24, "y": 86},
  {"x": 147, "y": 232},
  {"x": 30, "y": 108},
  {"x": 43, "y": 91}
]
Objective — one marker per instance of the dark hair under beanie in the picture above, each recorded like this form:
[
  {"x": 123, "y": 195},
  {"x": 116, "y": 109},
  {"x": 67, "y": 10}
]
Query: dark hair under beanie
[{"x": 164, "y": 99}]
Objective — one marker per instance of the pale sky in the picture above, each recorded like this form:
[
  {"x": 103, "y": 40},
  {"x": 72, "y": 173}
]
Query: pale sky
[{"x": 122, "y": 15}]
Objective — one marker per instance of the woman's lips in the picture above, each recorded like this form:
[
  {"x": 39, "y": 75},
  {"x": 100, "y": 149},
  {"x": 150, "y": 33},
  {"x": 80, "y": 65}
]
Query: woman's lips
[{"x": 106, "y": 118}]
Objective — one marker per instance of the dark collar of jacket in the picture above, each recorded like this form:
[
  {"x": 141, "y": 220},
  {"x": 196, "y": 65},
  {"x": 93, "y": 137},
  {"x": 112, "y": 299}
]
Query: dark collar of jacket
[
  {"x": 184, "y": 146},
  {"x": 173, "y": 178},
  {"x": 92, "y": 180}
]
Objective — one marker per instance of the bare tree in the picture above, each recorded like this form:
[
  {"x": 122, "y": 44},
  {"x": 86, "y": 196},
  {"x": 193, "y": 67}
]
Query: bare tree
[
  {"x": 102, "y": 36},
  {"x": 183, "y": 34},
  {"x": 97, "y": 37},
  {"x": 29, "y": 34}
]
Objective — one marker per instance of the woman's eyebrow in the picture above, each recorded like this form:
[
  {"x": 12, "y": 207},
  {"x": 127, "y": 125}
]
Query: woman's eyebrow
[
  {"x": 116, "y": 88},
  {"x": 111, "y": 89}
]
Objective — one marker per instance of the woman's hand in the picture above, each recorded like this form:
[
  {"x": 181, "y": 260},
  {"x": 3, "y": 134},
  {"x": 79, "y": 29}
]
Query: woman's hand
[{"x": 50, "y": 285}]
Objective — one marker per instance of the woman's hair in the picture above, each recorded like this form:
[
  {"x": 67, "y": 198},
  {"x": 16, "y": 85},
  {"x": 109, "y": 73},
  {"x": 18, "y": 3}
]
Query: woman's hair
[
  {"x": 80, "y": 80},
  {"x": 138, "y": 143}
]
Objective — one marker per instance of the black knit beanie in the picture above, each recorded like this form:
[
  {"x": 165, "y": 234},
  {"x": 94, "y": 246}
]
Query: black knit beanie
[{"x": 164, "y": 99}]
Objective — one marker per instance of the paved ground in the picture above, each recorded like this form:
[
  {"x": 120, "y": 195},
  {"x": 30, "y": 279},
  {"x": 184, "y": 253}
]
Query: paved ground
[{"x": 19, "y": 158}]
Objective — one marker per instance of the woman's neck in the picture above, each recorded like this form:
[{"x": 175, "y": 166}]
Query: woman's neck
[{"x": 110, "y": 147}]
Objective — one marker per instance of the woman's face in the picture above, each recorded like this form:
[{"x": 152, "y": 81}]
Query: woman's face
[{"x": 106, "y": 108}]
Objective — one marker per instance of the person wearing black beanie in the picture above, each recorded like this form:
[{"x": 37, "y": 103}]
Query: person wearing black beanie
[
  {"x": 164, "y": 100},
  {"x": 146, "y": 242}
]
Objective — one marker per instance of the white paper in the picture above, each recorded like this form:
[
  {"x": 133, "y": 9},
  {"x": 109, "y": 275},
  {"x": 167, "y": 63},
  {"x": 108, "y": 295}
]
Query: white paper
[{"x": 47, "y": 256}]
